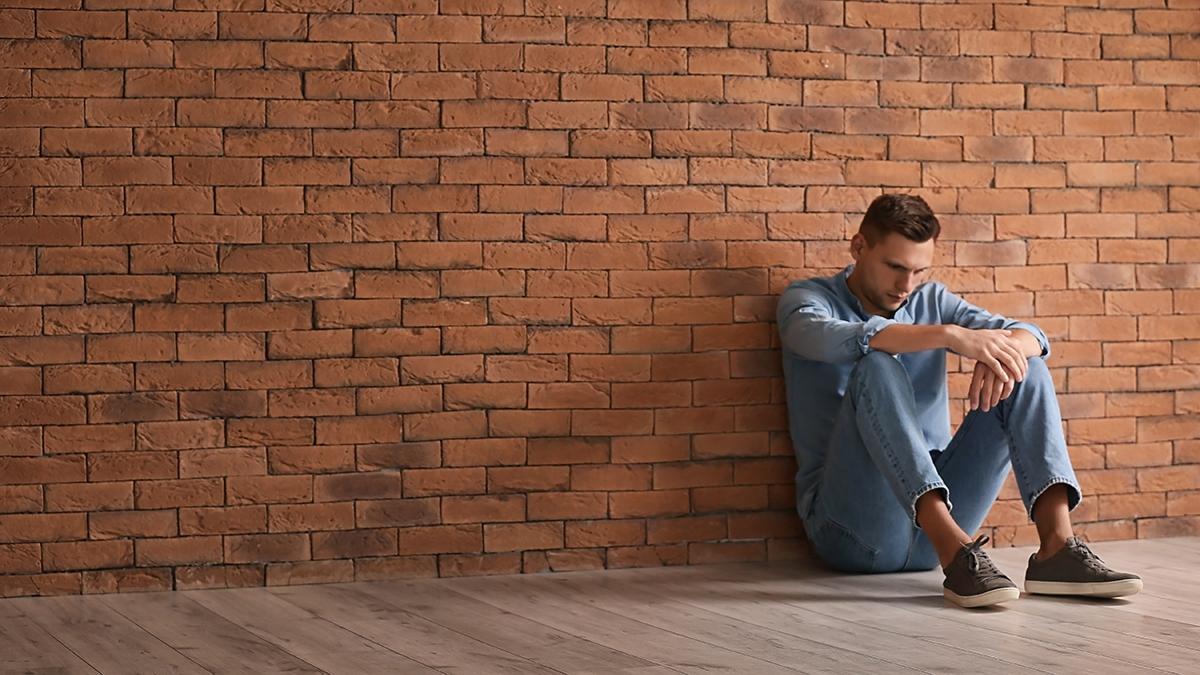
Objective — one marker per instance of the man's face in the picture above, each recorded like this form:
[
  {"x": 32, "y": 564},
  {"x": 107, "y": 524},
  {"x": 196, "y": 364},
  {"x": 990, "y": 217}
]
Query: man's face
[{"x": 889, "y": 271}]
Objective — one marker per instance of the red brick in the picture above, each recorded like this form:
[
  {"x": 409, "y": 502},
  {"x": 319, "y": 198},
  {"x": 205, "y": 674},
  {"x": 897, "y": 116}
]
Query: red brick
[
  {"x": 89, "y": 496},
  {"x": 504, "y": 537},
  {"x": 1166, "y": 527},
  {"x": 354, "y": 544},
  {"x": 20, "y": 558},
  {"x": 483, "y": 508},
  {"x": 269, "y": 489},
  {"x": 179, "y": 551},
  {"x": 223, "y": 520},
  {"x": 676, "y": 530},
  {"x": 440, "y": 539},
  {"x": 266, "y": 548},
  {"x": 86, "y": 555}
]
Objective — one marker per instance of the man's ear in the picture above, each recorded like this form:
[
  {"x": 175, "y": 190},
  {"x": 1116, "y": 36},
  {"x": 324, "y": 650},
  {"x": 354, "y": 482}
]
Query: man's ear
[{"x": 857, "y": 242}]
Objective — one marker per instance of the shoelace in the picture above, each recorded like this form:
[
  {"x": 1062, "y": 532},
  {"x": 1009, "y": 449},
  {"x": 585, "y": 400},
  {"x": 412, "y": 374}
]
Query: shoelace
[
  {"x": 1086, "y": 555},
  {"x": 978, "y": 561}
]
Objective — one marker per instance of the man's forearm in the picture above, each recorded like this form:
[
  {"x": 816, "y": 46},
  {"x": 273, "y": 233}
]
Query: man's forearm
[{"x": 901, "y": 338}]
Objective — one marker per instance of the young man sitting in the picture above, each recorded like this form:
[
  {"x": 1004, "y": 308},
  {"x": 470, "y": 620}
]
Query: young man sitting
[{"x": 882, "y": 486}]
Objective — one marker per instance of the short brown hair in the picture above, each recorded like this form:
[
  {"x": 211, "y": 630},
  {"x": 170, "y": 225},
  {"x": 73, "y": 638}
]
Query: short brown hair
[{"x": 908, "y": 215}]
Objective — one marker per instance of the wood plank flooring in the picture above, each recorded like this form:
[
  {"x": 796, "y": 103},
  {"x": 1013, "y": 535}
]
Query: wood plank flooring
[{"x": 741, "y": 618}]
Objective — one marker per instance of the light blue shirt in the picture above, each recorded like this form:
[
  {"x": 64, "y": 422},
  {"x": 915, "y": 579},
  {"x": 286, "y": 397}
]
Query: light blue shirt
[{"x": 824, "y": 331}]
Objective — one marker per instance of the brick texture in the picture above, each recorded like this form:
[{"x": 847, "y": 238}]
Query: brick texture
[{"x": 321, "y": 291}]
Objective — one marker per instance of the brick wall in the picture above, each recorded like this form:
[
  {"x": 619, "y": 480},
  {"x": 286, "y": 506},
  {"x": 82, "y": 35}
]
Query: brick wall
[{"x": 313, "y": 290}]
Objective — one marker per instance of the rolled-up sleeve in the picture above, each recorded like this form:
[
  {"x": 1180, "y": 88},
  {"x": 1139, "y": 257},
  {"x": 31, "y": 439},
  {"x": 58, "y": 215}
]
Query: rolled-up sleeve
[
  {"x": 958, "y": 311},
  {"x": 808, "y": 329}
]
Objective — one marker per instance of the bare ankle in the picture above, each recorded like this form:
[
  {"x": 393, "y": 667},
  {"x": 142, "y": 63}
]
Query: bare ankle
[
  {"x": 1051, "y": 546},
  {"x": 948, "y": 550}
]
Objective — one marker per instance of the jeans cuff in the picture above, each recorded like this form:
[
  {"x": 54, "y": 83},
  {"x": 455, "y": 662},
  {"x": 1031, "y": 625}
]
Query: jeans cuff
[
  {"x": 917, "y": 494},
  {"x": 1074, "y": 495}
]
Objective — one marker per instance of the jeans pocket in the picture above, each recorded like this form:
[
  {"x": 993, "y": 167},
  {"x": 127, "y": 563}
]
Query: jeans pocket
[{"x": 839, "y": 547}]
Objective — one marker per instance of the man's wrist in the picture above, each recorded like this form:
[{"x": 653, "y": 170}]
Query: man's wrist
[
  {"x": 1030, "y": 346},
  {"x": 948, "y": 335}
]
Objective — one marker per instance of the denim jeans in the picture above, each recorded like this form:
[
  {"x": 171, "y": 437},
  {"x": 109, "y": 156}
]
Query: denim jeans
[{"x": 863, "y": 518}]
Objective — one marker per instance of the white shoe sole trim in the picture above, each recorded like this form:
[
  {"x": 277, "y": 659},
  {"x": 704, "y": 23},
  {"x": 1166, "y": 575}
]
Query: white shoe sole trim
[
  {"x": 1102, "y": 589},
  {"x": 992, "y": 597}
]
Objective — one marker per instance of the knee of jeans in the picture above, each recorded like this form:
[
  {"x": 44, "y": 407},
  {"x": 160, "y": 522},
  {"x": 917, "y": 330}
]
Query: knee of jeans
[
  {"x": 1038, "y": 374},
  {"x": 874, "y": 362},
  {"x": 1038, "y": 368}
]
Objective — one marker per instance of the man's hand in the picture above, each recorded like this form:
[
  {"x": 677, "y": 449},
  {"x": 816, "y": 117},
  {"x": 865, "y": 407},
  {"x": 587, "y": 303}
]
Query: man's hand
[
  {"x": 998, "y": 350},
  {"x": 987, "y": 389}
]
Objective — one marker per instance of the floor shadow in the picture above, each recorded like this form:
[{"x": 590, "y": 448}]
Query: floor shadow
[
  {"x": 930, "y": 599},
  {"x": 906, "y": 593},
  {"x": 1078, "y": 600}
]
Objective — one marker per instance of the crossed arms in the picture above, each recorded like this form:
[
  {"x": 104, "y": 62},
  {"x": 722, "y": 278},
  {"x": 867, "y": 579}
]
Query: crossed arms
[
  {"x": 1001, "y": 355},
  {"x": 1000, "y": 347}
]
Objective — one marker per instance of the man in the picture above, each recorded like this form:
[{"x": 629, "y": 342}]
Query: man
[{"x": 881, "y": 486}]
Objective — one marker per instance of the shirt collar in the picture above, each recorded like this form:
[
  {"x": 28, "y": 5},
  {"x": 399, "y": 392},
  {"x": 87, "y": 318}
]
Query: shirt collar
[{"x": 844, "y": 289}]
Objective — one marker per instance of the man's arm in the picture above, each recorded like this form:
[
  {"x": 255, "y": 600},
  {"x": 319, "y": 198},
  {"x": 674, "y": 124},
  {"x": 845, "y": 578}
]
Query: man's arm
[
  {"x": 1029, "y": 343},
  {"x": 1005, "y": 351},
  {"x": 901, "y": 338},
  {"x": 808, "y": 329},
  {"x": 959, "y": 312}
]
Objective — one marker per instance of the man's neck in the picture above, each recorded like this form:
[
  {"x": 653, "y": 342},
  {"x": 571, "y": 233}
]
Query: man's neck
[{"x": 852, "y": 282}]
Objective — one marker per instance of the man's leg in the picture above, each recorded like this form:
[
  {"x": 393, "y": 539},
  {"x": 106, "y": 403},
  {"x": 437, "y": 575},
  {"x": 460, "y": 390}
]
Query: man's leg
[
  {"x": 1025, "y": 430},
  {"x": 876, "y": 473}
]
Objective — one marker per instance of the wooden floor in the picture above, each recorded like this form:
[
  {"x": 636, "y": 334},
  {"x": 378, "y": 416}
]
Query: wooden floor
[{"x": 744, "y": 618}]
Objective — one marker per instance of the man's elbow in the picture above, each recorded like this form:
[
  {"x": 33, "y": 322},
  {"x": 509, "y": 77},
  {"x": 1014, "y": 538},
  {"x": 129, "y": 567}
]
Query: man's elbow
[{"x": 818, "y": 348}]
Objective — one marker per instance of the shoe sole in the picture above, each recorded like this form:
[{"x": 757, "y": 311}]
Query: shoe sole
[
  {"x": 1101, "y": 589},
  {"x": 985, "y": 599}
]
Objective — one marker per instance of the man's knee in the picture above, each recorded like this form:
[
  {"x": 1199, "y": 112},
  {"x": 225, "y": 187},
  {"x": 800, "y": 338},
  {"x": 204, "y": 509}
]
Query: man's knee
[
  {"x": 876, "y": 367},
  {"x": 1038, "y": 369},
  {"x": 876, "y": 361},
  {"x": 1037, "y": 376}
]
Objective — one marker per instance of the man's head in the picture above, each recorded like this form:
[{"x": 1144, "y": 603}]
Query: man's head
[{"x": 892, "y": 251}]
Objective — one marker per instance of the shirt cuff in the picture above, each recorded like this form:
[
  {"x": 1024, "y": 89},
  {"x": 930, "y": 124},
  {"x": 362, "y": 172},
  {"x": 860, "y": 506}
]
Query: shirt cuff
[
  {"x": 873, "y": 325},
  {"x": 1037, "y": 333}
]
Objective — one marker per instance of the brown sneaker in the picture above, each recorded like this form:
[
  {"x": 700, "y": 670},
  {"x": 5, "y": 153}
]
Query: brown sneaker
[
  {"x": 1075, "y": 570},
  {"x": 972, "y": 579}
]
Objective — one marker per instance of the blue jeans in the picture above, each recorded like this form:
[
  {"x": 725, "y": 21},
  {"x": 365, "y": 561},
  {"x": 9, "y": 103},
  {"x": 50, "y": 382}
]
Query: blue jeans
[{"x": 863, "y": 518}]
